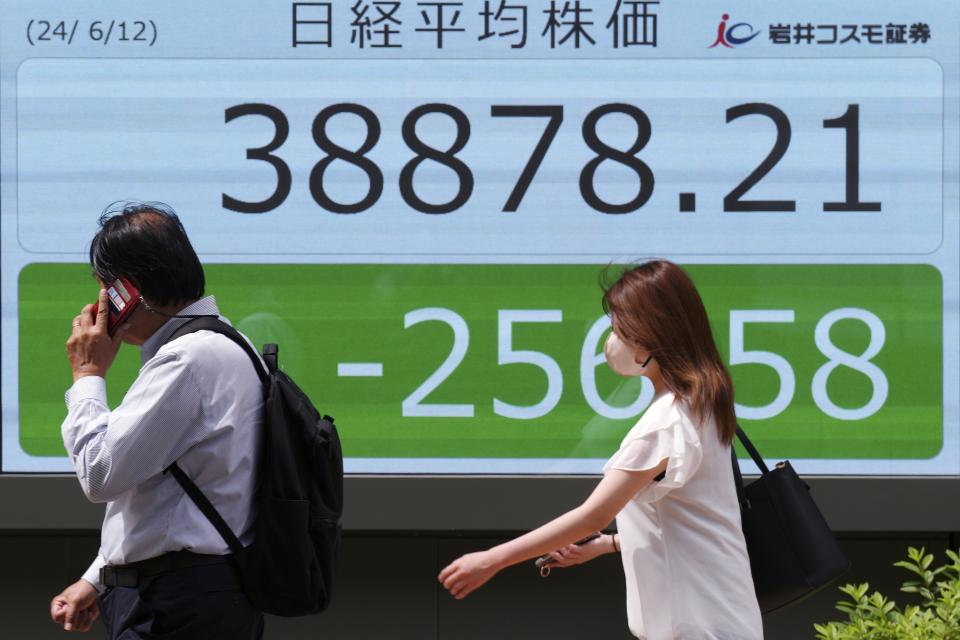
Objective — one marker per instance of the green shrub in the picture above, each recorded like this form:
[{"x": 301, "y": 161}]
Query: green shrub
[{"x": 875, "y": 617}]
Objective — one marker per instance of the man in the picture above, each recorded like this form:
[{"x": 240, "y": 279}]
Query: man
[{"x": 162, "y": 569}]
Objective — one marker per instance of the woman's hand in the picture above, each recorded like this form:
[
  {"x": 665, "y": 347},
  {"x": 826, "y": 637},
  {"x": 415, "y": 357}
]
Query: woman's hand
[
  {"x": 468, "y": 573},
  {"x": 579, "y": 553}
]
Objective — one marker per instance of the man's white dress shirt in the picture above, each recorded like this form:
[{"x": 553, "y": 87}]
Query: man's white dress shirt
[{"x": 197, "y": 401}]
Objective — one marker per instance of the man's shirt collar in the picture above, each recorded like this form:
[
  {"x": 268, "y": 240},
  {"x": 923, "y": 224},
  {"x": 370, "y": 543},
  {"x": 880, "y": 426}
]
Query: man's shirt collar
[{"x": 203, "y": 307}]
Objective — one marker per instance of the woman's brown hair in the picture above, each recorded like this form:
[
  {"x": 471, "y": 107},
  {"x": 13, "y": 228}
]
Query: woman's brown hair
[{"x": 655, "y": 307}]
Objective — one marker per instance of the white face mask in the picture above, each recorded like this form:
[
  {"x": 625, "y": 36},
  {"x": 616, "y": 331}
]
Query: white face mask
[{"x": 621, "y": 358}]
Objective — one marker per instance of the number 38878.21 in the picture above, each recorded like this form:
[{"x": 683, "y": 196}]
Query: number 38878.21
[{"x": 733, "y": 201}]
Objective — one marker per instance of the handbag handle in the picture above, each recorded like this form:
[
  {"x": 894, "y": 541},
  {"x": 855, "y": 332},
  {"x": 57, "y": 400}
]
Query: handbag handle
[
  {"x": 738, "y": 480},
  {"x": 737, "y": 476},
  {"x": 752, "y": 450}
]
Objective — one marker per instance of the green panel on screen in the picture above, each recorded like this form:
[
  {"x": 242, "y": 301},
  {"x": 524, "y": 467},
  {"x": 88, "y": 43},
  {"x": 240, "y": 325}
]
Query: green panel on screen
[{"x": 500, "y": 361}]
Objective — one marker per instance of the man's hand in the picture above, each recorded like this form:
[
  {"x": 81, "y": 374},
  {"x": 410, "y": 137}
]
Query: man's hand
[
  {"x": 76, "y": 608},
  {"x": 90, "y": 348}
]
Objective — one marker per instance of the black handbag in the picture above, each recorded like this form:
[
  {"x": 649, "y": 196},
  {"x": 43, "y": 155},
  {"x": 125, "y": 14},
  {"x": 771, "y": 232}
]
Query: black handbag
[{"x": 792, "y": 550}]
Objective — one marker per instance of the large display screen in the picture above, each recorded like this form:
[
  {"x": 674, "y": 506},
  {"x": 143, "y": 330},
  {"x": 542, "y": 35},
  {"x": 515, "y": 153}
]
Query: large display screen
[{"x": 418, "y": 199}]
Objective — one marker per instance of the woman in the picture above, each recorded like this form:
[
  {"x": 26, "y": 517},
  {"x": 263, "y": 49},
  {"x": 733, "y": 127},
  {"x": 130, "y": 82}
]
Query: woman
[{"x": 670, "y": 486}]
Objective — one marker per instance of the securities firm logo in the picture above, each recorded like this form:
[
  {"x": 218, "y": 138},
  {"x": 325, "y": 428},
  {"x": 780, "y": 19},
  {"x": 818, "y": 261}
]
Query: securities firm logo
[{"x": 733, "y": 35}]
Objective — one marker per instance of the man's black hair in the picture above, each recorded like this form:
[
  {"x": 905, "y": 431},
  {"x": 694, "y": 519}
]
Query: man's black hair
[{"x": 146, "y": 243}]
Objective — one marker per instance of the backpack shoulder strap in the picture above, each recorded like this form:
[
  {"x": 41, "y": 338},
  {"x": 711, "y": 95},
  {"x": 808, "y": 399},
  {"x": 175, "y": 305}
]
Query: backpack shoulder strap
[
  {"x": 211, "y": 323},
  {"x": 199, "y": 499}
]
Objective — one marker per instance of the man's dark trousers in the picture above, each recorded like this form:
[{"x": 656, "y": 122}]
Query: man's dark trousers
[{"x": 193, "y": 603}]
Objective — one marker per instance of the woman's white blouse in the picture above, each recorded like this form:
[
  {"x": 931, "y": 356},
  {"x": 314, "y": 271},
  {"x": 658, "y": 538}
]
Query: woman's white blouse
[{"x": 682, "y": 546}]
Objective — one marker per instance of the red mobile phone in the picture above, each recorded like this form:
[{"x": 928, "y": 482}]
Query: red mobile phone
[{"x": 122, "y": 298}]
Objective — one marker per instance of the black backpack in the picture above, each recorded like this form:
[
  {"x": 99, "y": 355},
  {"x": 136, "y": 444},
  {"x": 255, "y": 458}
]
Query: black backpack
[{"x": 288, "y": 569}]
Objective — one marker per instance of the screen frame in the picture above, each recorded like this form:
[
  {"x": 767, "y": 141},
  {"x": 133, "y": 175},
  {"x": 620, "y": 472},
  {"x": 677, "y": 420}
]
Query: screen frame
[{"x": 51, "y": 501}]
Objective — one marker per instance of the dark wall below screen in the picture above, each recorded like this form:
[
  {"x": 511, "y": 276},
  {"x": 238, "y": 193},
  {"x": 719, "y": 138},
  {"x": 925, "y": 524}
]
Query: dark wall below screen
[{"x": 387, "y": 589}]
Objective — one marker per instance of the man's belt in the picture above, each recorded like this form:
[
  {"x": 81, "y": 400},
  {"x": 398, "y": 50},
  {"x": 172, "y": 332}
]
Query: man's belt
[{"x": 130, "y": 575}]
